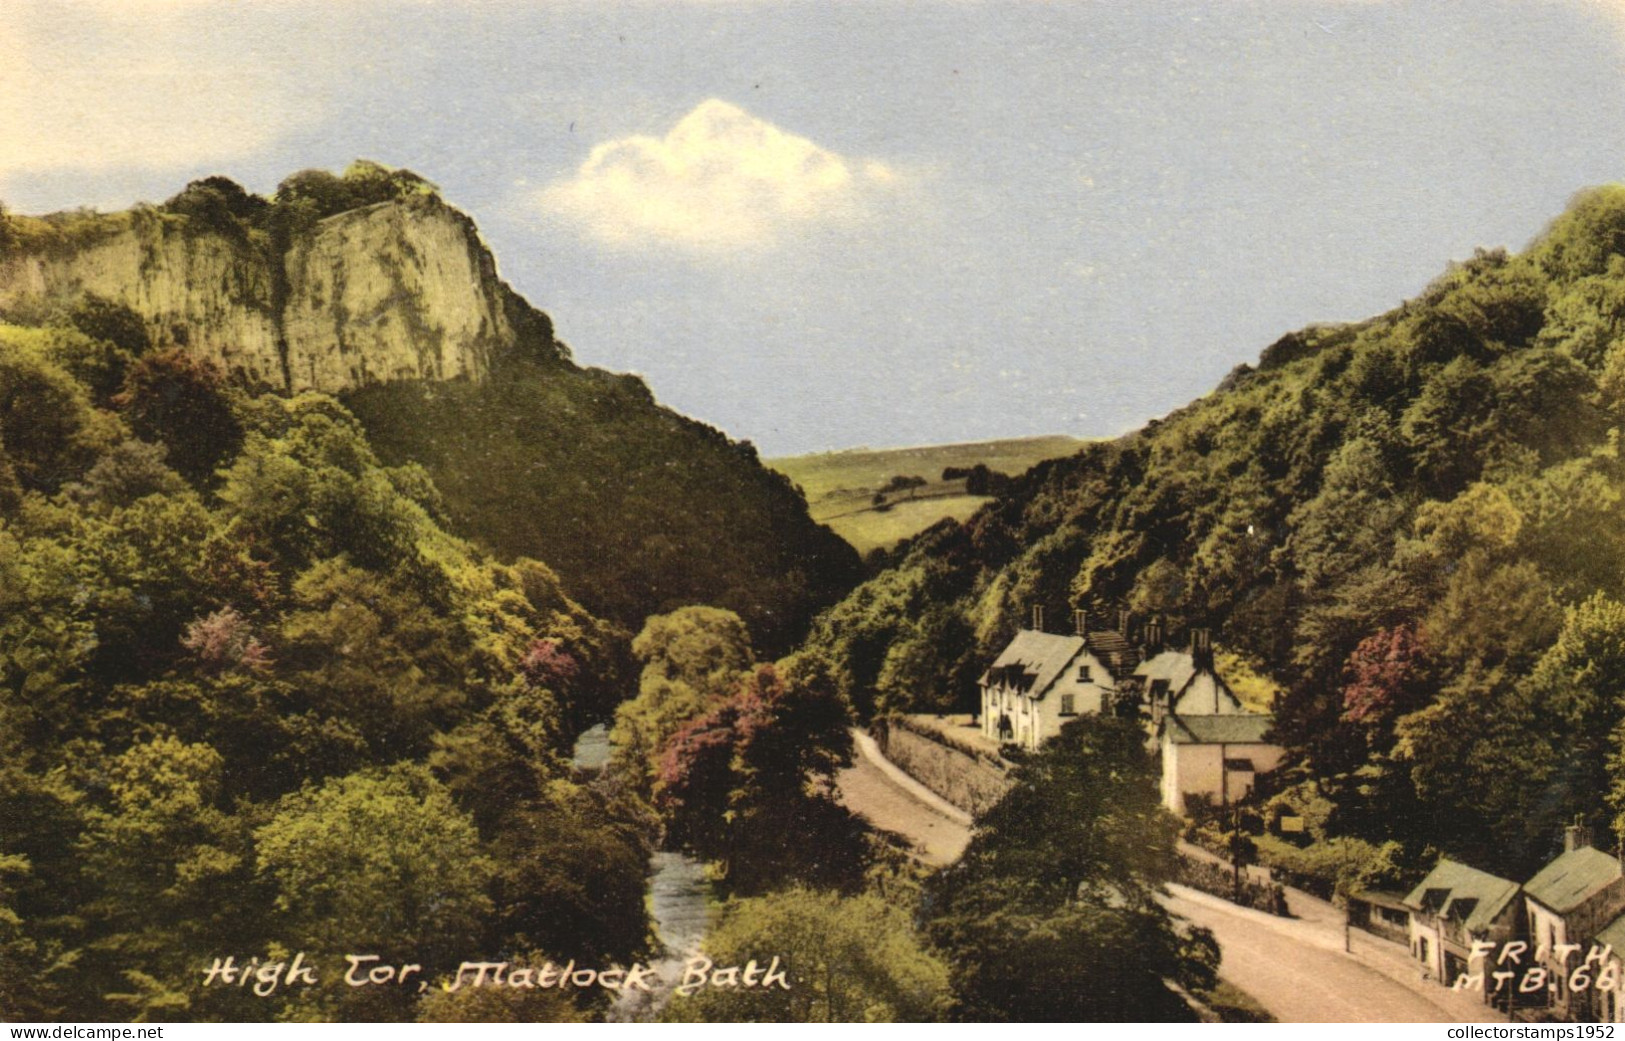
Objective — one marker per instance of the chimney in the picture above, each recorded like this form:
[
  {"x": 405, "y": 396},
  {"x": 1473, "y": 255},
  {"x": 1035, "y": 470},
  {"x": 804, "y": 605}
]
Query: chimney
[
  {"x": 1080, "y": 622},
  {"x": 1202, "y": 648},
  {"x": 1038, "y": 618},
  {"x": 1122, "y": 622},
  {"x": 1576, "y": 836},
  {"x": 1153, "y": 637}
]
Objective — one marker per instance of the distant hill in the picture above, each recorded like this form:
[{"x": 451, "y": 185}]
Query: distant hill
[{"x": 841, "y": 486}]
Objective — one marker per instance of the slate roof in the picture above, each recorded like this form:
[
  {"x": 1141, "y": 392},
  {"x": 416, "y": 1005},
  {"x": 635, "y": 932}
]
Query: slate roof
[
  {"x": 1235, "y": 729},
  {"x": 1177, "y": 667},
  {"x": 1114, "y": 651},
  {"x": 1472, "y": 897},
  {"x": 1042, "y": 656},
  {"x": 1573, "y": 878}
]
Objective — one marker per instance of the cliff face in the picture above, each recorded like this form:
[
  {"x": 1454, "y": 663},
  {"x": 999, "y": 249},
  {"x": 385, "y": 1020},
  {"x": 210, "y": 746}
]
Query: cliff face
[
  {"x": 397, "y": 290},
  {"x": 400, "y": 290},
  {"x": 205, "y": 292}
]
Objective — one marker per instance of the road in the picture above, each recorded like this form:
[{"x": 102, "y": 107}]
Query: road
[
  {"x": 874, "y": 788},
  {"x": 1295, "y": 967},
  {"x": 1292, "y": 968}
]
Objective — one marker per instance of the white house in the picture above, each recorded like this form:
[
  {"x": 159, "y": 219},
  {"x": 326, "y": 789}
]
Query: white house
[
  {"x": 1610, "y": 990},
  {"x": 1571, "y": 901},
  {"x": 1213, "y": 747},
  {"x": 1216, "y": 758},
  {"x": 1039, "y": 682},
  {"x": 1450, "y": 910}
]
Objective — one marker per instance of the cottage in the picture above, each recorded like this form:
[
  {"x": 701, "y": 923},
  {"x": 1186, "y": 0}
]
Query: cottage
[
  {"x": 1571, "y": 901},
  {"x": 1214, "y": 758},
  {"x": 1213, "y": 748},
  {"x": 1184, "y": 682},
  {"x": 1453, "y": 907},
  {"x": 1041, "y": 681}
]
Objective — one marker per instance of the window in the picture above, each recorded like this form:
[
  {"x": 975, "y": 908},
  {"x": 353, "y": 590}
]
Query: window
[
  {"x": 1069, "y": 704},
  {"x": 1083, "y": 674}
]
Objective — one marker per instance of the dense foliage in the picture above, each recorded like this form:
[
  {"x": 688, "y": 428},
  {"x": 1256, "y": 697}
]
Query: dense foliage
[
  {"x": 640, "y": 509},
  {"x": 1411, "y": 525},
  {"x": 1051, "y": 914},
  {"x": 256, "y": 701},
  {"x": 740, "y": 758},
  {"x": 843, "y": 959}
]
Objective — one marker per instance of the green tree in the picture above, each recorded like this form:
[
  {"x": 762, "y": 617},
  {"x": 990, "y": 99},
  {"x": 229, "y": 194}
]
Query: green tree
[
  {"x": 183, "y": 401},
  {"x": 381, "y": 861},
  {"x": 164, "y": 860},
  {"x": 691, "y": 659},
  {"x": 1060, "y": 884},
  {"x": 846, "y": 959},
  {"x": 750, "y": 784},
  {"x": 50, "y": 430}
]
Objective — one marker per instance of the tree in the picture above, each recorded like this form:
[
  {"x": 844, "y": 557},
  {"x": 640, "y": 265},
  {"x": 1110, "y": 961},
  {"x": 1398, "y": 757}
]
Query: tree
[
  {"x": 1386, "y": 678},
  {"x": 163, "y": 859},
  {"x": 111, "y": 322},
  {"x": 1051, "y": 914},
  {"x": 691, "y": 659},
  {"x": 380, "y": 861},
  {"x": 1580, "y": 681},
  {"x": 1484, "y": 758},
  {"x": 132, "y": 470},
  {"x": 50, "y": 430},
  {"x": 571, "y": 874},
  {"x": 846, "y": 959},
  {"x": 750, "y": 783},
  {"x": 182, "y": 401}
]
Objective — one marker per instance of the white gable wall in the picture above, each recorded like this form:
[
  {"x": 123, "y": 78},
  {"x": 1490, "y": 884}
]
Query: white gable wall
[{"x": 1035, "y": 720}]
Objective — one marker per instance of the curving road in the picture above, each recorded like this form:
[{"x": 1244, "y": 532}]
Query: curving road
[
  {"x": 1295, "y": 967},
  {"x": 874, "y": 788}
]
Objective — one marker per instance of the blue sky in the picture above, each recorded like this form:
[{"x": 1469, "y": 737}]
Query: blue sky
[{"x": 872, "y": 222}]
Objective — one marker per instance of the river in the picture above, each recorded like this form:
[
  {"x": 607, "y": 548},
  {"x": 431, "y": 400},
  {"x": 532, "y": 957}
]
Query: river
[{"x": 679, "y": 898}]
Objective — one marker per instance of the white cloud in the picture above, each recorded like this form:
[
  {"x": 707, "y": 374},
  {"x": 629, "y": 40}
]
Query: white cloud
[
  {"x": 721, "y": 179},
  {"x": 105, "y": 86}
]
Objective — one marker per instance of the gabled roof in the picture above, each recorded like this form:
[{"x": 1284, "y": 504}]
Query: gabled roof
[
  {"x": 1573, "y": 878},
  {"x": 1042, "y": 656},
  {"x": 1238, "y": 729},
  {"x": 1474, "y": 898},
  {"x": 1177, "y": 667},
  {"x": 1113, "y": 651}
]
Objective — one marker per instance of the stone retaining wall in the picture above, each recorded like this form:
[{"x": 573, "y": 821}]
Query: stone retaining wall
[{"x": 972, "y": 782}]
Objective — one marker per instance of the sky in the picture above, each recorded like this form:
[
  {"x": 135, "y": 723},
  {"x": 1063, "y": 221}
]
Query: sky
[{"x": 871, "y": 222}]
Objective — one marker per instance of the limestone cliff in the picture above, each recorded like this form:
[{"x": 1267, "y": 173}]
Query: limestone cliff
[{"x": 397, "y": 290}]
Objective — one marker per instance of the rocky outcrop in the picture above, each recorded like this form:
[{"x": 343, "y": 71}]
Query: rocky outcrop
[
  {"x": 400, "y": 290},
  {"x": 206, "y": 292},
  {"x": 397, "y": 290}
]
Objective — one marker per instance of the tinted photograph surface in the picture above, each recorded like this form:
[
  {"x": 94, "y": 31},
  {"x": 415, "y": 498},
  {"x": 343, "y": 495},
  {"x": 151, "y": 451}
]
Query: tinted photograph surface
[{"x": 536, "y": 511}]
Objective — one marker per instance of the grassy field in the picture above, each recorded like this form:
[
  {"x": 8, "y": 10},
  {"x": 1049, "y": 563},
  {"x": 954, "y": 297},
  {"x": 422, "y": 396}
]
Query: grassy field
[{"x": 841, "y": 486}]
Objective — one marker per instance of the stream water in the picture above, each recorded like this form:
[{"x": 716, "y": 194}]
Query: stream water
[{"x": 679, "y": 899}]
